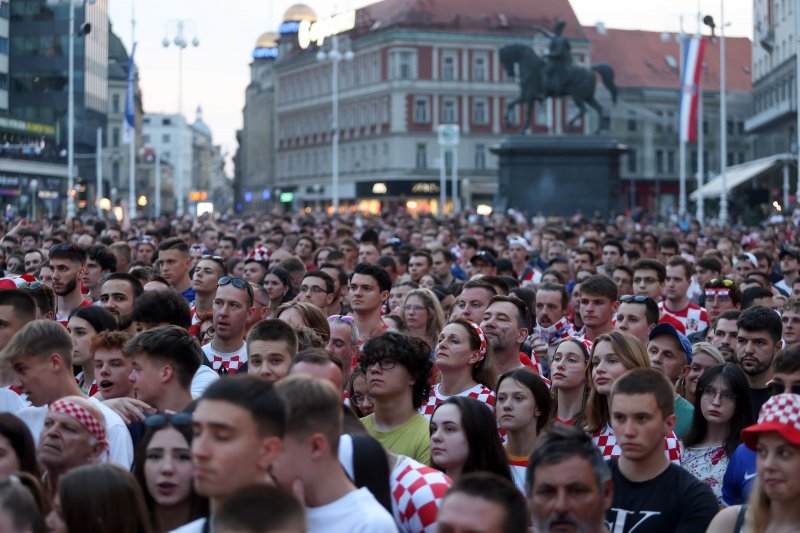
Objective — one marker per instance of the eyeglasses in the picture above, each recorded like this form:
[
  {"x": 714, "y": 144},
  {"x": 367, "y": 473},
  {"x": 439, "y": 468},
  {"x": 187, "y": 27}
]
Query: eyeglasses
[
  {"x": 717, "y": 293},
  {"x": 414, "y": 308},
  {"x": 341, "y": 318},
  {"x": 313, "y": 288},
  {"x": 160, "y": 420},
  {"x": 709, "y": 393},
  {"x": 361, "y": 399},
  {"x": 210, "y": 332},
  {"x": 635, "y": 298},
  {"x": 384, "y": 364},
  {"x": 720, "y": 283},
  {"x": 776, "y": 387},
  {"x": 239, "y": 283}
]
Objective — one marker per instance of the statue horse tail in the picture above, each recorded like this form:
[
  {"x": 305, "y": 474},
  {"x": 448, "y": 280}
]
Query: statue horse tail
[{"x": 607, "y": 75}]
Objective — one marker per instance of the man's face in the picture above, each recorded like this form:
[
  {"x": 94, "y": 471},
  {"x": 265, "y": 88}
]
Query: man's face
[
  {"x": 518, "y": 255},
  {"x": 112, "y": 371},
  {"x": 314, "y": 291},
  {"x": 724, "y": 338},
  {"x": 28, "y": 243},
  {"x": 32, "y": 261},
  {"x": 582, "y": 261},
  {"x": 718, "y": 301},
  {"x": 623, "y": 280},
  {"x": 227, "y": 449},
  {"x": 268, "y": 359},
  {"x": 755, "y": 351},
  {"x": 226, "y": 249},
  {"x": 677, "y": 283},
  {"x": 304, "y": 249},
  {"x": 463, "y": 513},
  {"x": 66, "y": 274},
  {"x": 93, "y": 274},
  {"x": 254, "y": 272},
  {"x": 10, "y": 323},
  {"x": 365, "y": 294},
  {"x": 611, "y": 255},
  {"x": 667, "y": 356},
  {"x": 565, "y": 497},
  {"x": 645, "y": 282},
  {"x": 632, "y": 318},
  {"x": 417, "y": 267},
  {"x": 789, "y": 265},
  {"x": 791, "y": 326},
  {"x": 145, "y": 377},
  {"x": 440, "y": 266},
  {"x": 501, "y": 326},
  {"x": 744, "y": 267},
  {"x": 549, "y": 308},
  {"x": 341, "y": 348},
  {"x": 117, "y": 298},
  {"x": 211, "y": 241},
  {"x": 35, "y": 377},
  {"x": 368, "y": 253},
  {"x": 174, "y": 265},
  {"x": 206, "y": 276},
  {"x": 704, "y": 275},
  {"x": 596, "y": 310},
  {"x": 232, "y": 309},
  {"x": 472, "y": 303},
  {"x": 144, "y": 252},
  {"x": 664, "y": 253},
  {"x": 482, "y": 267},
  {"x": 393, "y": 382},
  {"x": 639, "y": 425},
  {"x": 790, "y": 380},
  {"x": 64, "y": 443}
]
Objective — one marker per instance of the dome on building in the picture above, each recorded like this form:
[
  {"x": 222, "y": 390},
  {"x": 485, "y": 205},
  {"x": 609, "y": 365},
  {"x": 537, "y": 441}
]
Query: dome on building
[
  {"x": 268, "y": 40},
  {"x": 299, "y": 12},
  {"x": 199, "y": 125}
]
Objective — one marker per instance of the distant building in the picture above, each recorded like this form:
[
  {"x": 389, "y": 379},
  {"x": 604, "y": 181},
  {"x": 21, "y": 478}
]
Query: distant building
[{"x": 171, "y": 138}]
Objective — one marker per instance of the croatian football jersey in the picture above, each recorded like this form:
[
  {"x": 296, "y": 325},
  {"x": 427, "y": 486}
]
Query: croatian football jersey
[
  {"x": 478, "y": 392},
  {"x": 606, "y": 442},
  {"x": 417, "y": 491},
  {"x": 693, "y": 317}
]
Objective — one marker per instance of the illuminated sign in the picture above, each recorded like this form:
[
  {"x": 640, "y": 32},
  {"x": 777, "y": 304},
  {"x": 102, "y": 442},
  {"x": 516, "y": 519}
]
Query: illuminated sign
[
  {"x": 196, "y": 196},
  {"x": 265, "y": 53},
  {"x": 287, "y": 197},
  {"x": 315, "y": 32},
  {"x": 289, "y": 27},
  {"x": 424, "y": 188},
  {"x": 379, "y": 188}
]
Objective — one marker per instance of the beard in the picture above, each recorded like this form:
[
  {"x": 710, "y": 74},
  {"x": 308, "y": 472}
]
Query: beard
[
  {"x": 70, "y": 286},
  {"x": 124, "y": 323}
]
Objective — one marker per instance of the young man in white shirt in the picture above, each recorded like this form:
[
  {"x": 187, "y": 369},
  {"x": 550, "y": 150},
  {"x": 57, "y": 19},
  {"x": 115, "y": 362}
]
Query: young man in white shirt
[
  {"x": 233, "y": 308},
  {"x": 68, "y": 262},
  {"x": 309, "y": 461},
  {"x": 677, "y": 302}
]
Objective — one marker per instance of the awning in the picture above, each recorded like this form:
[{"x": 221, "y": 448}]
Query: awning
[{"x": 739, "y": 174}]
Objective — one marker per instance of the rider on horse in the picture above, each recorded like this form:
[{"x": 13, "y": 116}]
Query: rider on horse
[{"x": 559, "y": 59}]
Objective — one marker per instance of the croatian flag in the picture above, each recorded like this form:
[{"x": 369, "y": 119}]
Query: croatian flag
[
  {"x": 129, "y": 131},
  {"x": 693, "y": 48}
]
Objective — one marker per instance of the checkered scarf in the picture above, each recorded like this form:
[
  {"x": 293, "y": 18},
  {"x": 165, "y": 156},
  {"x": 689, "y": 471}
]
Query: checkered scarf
[{"x": 554, "y": 334}]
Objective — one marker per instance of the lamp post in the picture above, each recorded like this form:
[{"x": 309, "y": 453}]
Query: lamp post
[
  {"x": 34, "y": 189},
  {"x": 335, "y": 48},
  {"x": 175, "y": 35}
]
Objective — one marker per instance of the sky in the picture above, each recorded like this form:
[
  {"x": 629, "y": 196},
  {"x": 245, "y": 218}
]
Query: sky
[{"x": 216, "y": 73}]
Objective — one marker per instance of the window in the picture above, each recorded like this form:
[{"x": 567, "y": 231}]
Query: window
[
  {"x": 480, "y": 157},
  {"x": 671, "y": 161},
  {"x": 421, "y": 114},
  {"x": 166, "y": 139},
  {"x": 448, "y": 161},
  {"x": 403, "y": 65},
  {"x": 449, "y": 111},
  {"x": 479, "y": 112},
  {"x": 115, "y": 103},
  {"x": 449, "y": 67},
  {"x": 115, "y": 137},
  {"x": 479, "y": 68},
  {"x": 694, "y": 161},
  {"x": 422, "y": 156},
  {"x": 115, "y": 172},
  {"x": 4, "y": 45},
  {"x": 631, "y": 164},
  {"x": 632, "y": 123},
  {"x": 146, "y": 139},
  {"x": 659, "y": 161}
]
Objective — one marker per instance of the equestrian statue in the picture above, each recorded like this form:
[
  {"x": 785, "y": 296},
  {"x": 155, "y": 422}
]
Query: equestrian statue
[{"x": 554, "y": 76}]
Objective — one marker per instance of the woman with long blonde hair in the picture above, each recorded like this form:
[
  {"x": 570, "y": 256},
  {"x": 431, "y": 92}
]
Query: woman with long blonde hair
[
  {"x": 422, "y": 315},
  {"x": 568, "y": 376}
]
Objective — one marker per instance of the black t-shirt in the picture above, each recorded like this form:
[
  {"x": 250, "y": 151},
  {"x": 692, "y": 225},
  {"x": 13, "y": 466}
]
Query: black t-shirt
[
  {"x": 759, "y": 397},
  {"x": 672, "y": 502}
]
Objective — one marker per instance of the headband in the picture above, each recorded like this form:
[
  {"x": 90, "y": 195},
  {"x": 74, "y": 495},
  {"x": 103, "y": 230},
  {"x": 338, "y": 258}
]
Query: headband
[
  {"x": 82, "y": 415},
  {"x": 482, "y": 337},
  {"x": 580, "y": 340}
]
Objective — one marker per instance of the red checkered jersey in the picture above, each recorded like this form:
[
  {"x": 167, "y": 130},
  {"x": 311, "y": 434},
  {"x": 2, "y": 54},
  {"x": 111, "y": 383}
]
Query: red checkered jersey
[
  {"x": 606, "y": 442},
  {"x": 693, "y": 317},
  {"x": 519, "y": 469},
  {"x": 478, "y": 392},
  {"x": 64, "y": 320},
  {"x": 417, "y": 492},
  {"x": 535, "y": 365}
]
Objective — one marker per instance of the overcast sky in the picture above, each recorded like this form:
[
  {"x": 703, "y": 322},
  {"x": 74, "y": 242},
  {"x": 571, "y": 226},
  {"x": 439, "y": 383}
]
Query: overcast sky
[{"x": 216, "y": 73}]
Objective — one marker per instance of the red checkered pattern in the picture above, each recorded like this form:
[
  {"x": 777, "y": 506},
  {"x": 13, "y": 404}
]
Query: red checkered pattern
[
  {"x": 783, "y": 409},
  {"x": 693, "y": 317},
  {"x": 230, "y": 365},
  {"x": 478, "y": 392},
  {"x": 606, "y": 442},
  {"x": 552, "y": 335},
  {"x": 82, "y": 415},
  {"x": 417, "y": 492},
  {"x": 482, "y": 337},
  {"x": 260, "y": 255},
  {"x": 533, "y": 362}
]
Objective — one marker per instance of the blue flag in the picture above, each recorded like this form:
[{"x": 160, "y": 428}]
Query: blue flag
[{"x": 129, "y": 132}]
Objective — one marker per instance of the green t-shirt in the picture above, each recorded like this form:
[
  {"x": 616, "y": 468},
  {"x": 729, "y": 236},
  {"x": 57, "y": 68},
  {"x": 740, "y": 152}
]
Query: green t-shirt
[
  {"x": 412, "y": 439},
  {"x": 683, "y": 412}
]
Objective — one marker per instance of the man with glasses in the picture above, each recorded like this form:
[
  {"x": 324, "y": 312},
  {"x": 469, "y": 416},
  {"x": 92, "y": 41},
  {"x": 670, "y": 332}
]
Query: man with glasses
[
  {"x": 233, "y": 308},
  {"x": 68, "y": 261},
  {"x": 719, "y": 295},
  {"x": 343, "y": 343},
  {"x": 174, "y": 262},
  {"x": 317, "y": 289},
  {"x": 637, "y": 315},
  {"x": 741, "y": 470}
]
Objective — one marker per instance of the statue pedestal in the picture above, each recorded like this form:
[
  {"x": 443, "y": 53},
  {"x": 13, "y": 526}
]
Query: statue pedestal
[{"x": 558, "y": 175}]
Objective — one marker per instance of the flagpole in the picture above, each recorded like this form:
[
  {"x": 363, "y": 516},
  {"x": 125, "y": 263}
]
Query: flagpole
[
  {"x": 701, "y": 213},
  {"x": 132, "y": 138},
  {"x": 682, "y": 156}
]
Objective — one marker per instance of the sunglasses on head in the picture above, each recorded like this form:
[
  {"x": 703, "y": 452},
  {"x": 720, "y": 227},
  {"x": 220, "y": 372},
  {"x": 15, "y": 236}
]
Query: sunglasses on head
[
  {"x": 239, "y": 283},
  {"x": 341, "y": 318},
  {"x": 160, "y": 420},
  {"x": 64, "y": 247},
  {"x": 776, "y": 387},
  {"x": 720, "y": 283},
  {"x": 635, "y": 298}
]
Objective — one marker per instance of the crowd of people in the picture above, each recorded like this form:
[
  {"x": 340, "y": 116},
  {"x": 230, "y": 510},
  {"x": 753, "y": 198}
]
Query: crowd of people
[{"x": 398, "y": 373}]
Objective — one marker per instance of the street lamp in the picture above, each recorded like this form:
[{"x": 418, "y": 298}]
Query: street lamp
[
  {"x": 335, "y": 48},
  {"x": 34, "y": 186},
  {"x": 84, "y": 30},
  {"x": 723, "y": 113},
  {"x": 174, "y": 35}
]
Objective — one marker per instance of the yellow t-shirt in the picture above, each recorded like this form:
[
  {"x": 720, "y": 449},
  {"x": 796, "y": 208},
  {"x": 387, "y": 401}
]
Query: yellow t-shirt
[{"x": 412, "y": 439}]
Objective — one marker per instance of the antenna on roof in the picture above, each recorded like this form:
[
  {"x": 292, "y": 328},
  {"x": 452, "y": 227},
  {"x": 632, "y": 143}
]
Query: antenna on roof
[{"x": 601, "y": 28}]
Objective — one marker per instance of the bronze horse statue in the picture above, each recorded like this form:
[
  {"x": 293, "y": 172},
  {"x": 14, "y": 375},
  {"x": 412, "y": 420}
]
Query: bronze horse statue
[{"x": 536, "y": 87}]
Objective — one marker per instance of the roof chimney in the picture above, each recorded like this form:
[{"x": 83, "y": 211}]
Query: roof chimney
[{"x": 601, "y": 28}]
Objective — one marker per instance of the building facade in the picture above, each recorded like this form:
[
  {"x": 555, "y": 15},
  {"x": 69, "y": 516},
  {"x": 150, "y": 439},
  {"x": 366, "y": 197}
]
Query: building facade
[{"x": 171, "y": 138}]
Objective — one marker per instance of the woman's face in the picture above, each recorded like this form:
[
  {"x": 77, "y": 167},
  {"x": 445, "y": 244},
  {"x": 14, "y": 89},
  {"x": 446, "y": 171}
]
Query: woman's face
[
  {"x": 606, "y": 367},
  {"x": 293, "y": 316},
  {"x": 778, "y": 466},
  {"x": 168, "y": 467},
  {"x": 453, "y": 349},
  {"x": 361, "y": 396},
  {"x": 717, "y": 402},
  {"x": 416, "y": 314},
  {"x": 515, "y": 406},
  {"x": 427, "y": 282},
  {"x": 569, "y": 365},
  {"x": 81, "y": 332},
  {"x": 396, "y": 296},
  {"x": 701, "y": 362},
  {"x": 449, "y": 446},
  {"x": 274, "y": 287},
  {"x": 9, "y": 462}
]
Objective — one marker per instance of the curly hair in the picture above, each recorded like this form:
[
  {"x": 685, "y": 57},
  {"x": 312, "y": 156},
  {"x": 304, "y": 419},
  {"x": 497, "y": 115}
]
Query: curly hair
[{"x": 413, "y": 353}]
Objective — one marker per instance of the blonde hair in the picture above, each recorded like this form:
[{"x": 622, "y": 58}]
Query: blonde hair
[
  {"x": 436, "y": 315},
  {"x": 39, "y": 339},
  {"x": 632, "y": 355}
]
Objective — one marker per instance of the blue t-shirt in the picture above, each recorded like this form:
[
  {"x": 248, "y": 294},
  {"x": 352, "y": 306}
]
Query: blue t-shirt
[
  {"x": 739, "y": 476},
  {"x": 189, "y": 295}
]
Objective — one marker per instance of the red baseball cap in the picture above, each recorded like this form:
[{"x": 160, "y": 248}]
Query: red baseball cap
[{"x": 781, "y": 413}]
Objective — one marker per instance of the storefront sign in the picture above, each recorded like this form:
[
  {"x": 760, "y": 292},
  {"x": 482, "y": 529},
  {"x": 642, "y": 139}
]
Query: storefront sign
[
  {"x": 316, "y": 32},
  {"x": 399, "y": 188}
]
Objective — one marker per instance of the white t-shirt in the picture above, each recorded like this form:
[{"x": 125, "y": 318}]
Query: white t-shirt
[
  {"x": 120, "y": 446},
  {"x": 191, "y": 527},
  {"x": 231, "y": 360},
  {"x": 204, "y": 377},
  {"x": 358, "y": 511},
  {"x": 10, "y": 401}
]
